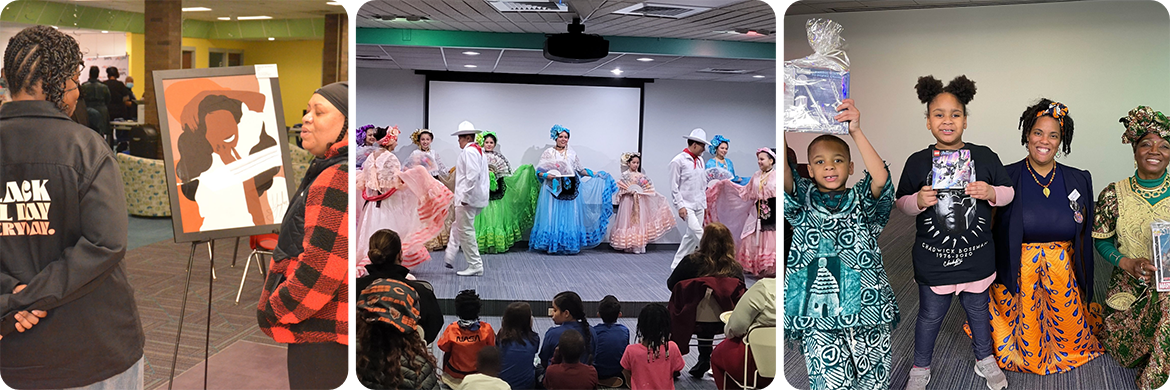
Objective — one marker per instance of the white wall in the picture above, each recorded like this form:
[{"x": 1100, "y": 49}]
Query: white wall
[
  {"x": 522, "y": 115},
  {"x": 743, "y": 112},
  {"x": 1099, "y": 58},
  {"x": 92, "y": 43},
  {"x": 387, "y": 97}
]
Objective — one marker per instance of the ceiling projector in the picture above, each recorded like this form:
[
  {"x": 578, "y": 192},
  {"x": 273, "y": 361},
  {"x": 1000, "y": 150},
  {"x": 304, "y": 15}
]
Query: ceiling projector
[{"x": 575, "y": 47}]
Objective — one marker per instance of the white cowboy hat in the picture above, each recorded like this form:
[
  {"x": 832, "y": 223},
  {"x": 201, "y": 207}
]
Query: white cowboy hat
[
  {"x": 466, "y": 128},
  {"x": 698, "y": 135}
]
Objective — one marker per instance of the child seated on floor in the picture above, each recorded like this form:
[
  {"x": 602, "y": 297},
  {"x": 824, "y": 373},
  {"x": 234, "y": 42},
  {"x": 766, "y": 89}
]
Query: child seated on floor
[
  {"x": 570, "y": 373},
  {"x": 488, "y": 378},
  {"x": 651, "y": 363},
  {"x": 463, "y": 339},
  {"x": 837, "y": 289},
  {"x": 518, "y": 346},
  {"x": 612, "y": 339},
  {"x": 568, "y": 313}
]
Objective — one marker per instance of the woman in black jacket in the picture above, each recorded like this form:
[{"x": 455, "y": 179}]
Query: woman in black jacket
[{"x": 386, "y": 263}]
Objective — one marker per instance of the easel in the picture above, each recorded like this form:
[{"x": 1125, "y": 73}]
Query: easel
[{"x": 183, "y": 309}]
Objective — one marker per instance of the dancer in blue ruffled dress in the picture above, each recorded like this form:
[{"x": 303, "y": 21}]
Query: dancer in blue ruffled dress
[
  {"x": 572, "y": 211},
  {"x": 718, "y": 147}
]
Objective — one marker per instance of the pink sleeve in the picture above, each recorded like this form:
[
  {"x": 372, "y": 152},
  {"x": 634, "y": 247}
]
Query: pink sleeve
[
  {"x": 627, "y": 362},
  {"x": 1003, "y": 195},
  {"x": 676, "y": 359},
  {"x": 909, "y": 204}
]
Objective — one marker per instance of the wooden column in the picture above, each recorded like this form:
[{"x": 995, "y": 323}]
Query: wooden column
[
  {"x": 164, "y": 47},
  {"x": 335, "y": 59}
]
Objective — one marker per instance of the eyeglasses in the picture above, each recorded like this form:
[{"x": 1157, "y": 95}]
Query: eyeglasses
[{"x": 76, "y": 82}]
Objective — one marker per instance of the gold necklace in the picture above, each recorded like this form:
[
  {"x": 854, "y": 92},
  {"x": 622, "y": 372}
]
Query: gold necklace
[
  {"x": 1149, "y": 193},
  {"x": 1033, "y": 172}
]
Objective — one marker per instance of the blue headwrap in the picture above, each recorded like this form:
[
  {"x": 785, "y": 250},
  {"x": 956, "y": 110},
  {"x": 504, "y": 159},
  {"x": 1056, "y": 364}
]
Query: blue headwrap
[
  {"x": 557, "y": 129},
  {"x": 719, "y": 139}
]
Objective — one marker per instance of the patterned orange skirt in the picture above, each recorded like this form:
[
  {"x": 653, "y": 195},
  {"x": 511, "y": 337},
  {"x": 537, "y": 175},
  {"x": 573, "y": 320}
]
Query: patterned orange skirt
[{"x": 1046, "y": 328}]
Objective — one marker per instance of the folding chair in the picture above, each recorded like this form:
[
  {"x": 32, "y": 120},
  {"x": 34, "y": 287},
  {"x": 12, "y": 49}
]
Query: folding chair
[
  {"x": 261, "y": 245},
  {"x": 759, "y": 345}
]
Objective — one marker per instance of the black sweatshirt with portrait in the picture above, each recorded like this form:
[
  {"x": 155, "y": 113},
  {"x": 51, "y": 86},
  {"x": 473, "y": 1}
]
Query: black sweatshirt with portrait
[{"x": 953, "y": 243}]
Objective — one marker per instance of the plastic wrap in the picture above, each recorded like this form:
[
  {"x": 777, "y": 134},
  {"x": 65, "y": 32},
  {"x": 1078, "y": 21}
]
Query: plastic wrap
[
  {"x": 815, "y": 85},
  {"x": 1160, "y": 254},
  {"x": 1160, "y": 257}
]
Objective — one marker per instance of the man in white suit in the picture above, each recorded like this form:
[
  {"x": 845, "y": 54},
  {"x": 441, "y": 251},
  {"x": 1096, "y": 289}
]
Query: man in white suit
[
  {"x": 471, "y": 196},
  {"x": 688, "y": 189}
]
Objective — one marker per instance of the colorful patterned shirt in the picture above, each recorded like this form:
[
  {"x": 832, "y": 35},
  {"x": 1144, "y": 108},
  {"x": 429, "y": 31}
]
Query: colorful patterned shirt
[{"x": 834, "y": 277}]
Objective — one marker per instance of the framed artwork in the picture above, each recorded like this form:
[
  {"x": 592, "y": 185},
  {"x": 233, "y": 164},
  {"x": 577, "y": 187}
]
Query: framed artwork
[{"x": 225, "y": 151}]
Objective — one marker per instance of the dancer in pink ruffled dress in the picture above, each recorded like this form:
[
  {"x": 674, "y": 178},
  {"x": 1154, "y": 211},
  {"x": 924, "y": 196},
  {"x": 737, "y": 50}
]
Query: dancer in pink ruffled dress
[
  {"x": 750, "y": 213},
  {"x": 411, "y": 203},
  {"x": 643, "y": 215}
]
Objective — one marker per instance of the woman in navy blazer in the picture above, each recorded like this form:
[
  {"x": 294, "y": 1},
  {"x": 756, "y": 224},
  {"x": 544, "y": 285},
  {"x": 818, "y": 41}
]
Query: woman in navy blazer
[{"x": 1042, "y": 316}]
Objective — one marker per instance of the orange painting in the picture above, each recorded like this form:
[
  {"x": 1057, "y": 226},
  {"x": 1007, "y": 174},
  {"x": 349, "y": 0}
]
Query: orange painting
[{"x": 227, "y": 156}]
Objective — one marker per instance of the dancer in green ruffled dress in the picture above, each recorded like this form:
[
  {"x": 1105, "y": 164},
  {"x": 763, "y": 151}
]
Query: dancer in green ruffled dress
[{"x": 512, "y": 200}]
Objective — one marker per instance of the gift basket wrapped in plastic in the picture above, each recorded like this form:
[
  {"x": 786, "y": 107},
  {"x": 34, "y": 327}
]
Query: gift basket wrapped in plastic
[{"x": 815, "y": 85}]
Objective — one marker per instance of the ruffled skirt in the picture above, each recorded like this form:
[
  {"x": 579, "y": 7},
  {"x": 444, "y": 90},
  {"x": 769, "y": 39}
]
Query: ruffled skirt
[
  {"x": 504, "y": 221},
  {"x": 415, "y": 211},
  {"x": 440, "y": 241},
  {"x": 757, "y": 253},
  {"x": 566, "y": 226},
  {"x": 640, "y": 219}
]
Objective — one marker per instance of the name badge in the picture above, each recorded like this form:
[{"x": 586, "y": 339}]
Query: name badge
[{"x": 1074, "y": 195}]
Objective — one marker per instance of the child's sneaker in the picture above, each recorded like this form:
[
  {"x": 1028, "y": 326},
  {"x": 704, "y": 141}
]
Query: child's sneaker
[
  {"x": 611, "y": 383},
  {"x": 919, "y": 377},
  {"x": 989, "y": 370}
]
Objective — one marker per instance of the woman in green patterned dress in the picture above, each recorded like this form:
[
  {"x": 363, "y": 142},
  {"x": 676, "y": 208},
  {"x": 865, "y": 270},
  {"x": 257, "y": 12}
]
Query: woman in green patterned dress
[{"x": 1137, "y": 327}]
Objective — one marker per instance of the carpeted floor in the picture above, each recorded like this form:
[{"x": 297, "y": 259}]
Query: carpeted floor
[
  {"x": 157, "y": 273},
  {"x": 144, "y": 231},
  {"x": 237, "y": 366},
  {"x": 952, "y": 367}
]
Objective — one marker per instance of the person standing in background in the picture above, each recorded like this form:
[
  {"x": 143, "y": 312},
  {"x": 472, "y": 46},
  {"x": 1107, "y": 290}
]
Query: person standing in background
[
  {"x": 119, "y": 95},
  {"x": 132, "y": 111},
  {"x": 97, "y": 96}
]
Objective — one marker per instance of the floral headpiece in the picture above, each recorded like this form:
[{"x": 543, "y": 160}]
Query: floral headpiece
[
  {"x": 479, "y": 137},
  {"x": 715, "y": 142},
  {"x": 1143, "y": 120},
  {"x": 361, "y": 134},
  {"x": 557, "y": 129},
  {"x": 626, "y": 157},
  {"x": 1056, "y": 110},
  {"x": 391, "y": 136},
  {"x": 418, "y": 133}
]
